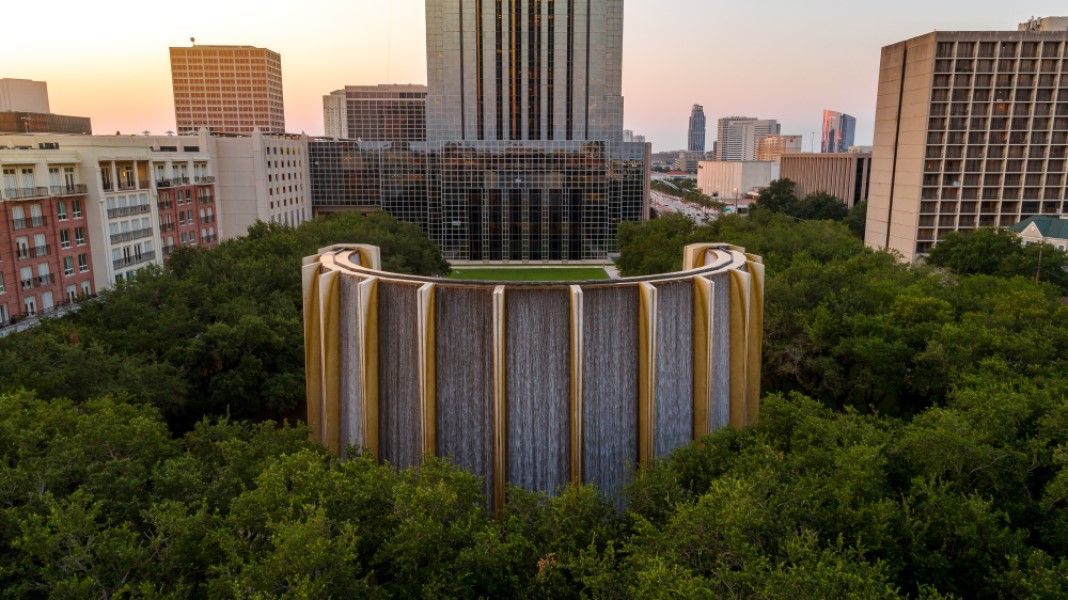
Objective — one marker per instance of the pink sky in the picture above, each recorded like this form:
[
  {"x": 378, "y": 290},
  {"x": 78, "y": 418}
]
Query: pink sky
[{"x": 768, "y": 58}]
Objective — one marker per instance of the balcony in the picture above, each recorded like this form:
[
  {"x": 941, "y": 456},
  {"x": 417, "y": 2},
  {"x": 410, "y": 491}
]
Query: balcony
[
  {"x": 179, "y": 181},
  {"x": 126, "y": 211},
  {"x": 76, "y": 189},
  {"x": 206, "y": 199},
  {"x": 164, "y": 183},
  {"x": 31, "y": 222},
  {"x": 36, "y": 282},
  {"x": 25, "y": 193},
  {"x": 205, "y": 179},
  {"x": 127, "y": 236},
  {"x": 207, "y": 219},
  {"x": 166, "y": 227},
  {"x": 134, "y": 260}
]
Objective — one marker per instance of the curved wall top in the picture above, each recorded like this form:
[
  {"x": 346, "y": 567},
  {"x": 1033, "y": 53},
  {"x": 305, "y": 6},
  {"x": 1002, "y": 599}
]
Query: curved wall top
[{"x": 535, "y": 384}]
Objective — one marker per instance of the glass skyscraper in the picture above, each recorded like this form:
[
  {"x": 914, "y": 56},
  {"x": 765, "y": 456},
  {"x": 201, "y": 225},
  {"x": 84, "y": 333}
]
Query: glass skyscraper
[
  {"x": 524, "y": 158},
  {"x": 838, "y": 131},
  {"x": 696, "y": 138}
]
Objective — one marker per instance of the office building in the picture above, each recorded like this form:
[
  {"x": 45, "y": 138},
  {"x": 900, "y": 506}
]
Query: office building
[
  {"x": 524, "y": 71},
  {"x": 843, "y": 175},
  {"x": 376, "y": 113},
  {"x": 227, "y": 89},
  {"x": 772, "y": 147},
  {"x": 839, "y": 130},
  {"x": 537, "y": 385},
  {"x": 28, "y": 122},
  {"x": 23, "y": 95},
  {"x": 737, "y": 136},
  {"x": 262, "y": 177},
  {"x": 1043, "y": 229},
  {"x": 971, "y": 131},
  {"x": 524, "y": 158},
  {"x": 696, "y": 137},
  {"x": 24, "y": 108},
  {"x": 687, "y": 161},
  {"x": 630, "y": 137},
  {"x": 731, "y": 180},
  {"x": 1045, "y": 24}
]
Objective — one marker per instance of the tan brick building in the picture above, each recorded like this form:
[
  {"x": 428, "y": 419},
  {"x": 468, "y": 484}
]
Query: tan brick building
[{"x": 228, "y": 89}]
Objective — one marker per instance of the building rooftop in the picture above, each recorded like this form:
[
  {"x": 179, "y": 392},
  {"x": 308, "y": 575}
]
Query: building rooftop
[{"x": 1051, "y": 227}]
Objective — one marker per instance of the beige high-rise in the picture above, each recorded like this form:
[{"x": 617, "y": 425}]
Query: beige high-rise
[
  {"x": 228, "y": 89},
  {"x": 971, "y": 130}
]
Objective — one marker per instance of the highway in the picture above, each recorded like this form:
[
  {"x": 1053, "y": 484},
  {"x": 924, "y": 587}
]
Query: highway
[{"x": 662, "y": 203}]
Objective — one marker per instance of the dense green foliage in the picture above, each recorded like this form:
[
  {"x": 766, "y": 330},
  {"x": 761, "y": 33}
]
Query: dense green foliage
[
  {"x": 1000, "y": 252},
  {"x": 913, "y": 442},
  {"x": 780, "y": 197},
  {"x": 216, "y": 333},
  {"x": 853, "y": 327}
]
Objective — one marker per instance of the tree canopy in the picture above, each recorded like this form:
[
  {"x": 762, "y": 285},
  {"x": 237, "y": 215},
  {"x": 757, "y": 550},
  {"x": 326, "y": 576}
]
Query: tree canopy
[{"x": 912, "y": 443}]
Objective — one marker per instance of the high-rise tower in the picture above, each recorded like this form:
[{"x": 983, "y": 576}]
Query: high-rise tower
[
  {"x": 838, "y": 131},
  {"x": 696, "y": 138},
  {"x": 228, "y": 89},
  {"x": 524, "y": 70}
]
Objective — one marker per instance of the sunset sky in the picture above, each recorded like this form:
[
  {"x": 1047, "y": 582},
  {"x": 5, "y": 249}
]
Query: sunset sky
[{"x": 769, "y": 58}]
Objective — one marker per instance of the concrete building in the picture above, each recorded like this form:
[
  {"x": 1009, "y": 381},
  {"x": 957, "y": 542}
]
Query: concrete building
[
  {"x": 971, "y": 131},
  {"x": 376, "y": 113},
  {"x": 24, "y": 108},
  {"x": 772, "y": 147},
  {"x": 537, "y": 385},
  {"x": 737, "y": 136},
  {"x": 734, "y": 179},
  {"x": 227, "y": 89},
  {"x": 843, "y": 175},
  {"x": 1044, "y": 230},
  {"x": 23, "y": 95},
  {"x": 696, "y": 134},
  {"x": 630, "y": 137},
  {"x": 1045, "y": 24},
  {"x": 262, "y": 177},
  {"x": 687, "y": 161},
  {"x": 502, "y": 71},
  {"x": 839, "y": 130}
]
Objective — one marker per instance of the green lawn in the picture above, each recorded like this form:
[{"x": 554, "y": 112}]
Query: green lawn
[{"x": 528, "y": 273}]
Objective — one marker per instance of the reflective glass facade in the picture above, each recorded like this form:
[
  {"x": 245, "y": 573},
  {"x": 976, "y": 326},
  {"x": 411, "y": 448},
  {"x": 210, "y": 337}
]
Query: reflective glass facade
[{"x": 491, "y": 201}]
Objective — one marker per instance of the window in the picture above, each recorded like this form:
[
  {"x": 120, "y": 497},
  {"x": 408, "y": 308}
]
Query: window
[
  {"x": 2, "y": 290},
  {"x": 76, "y": 208},
  {"x": 83, "y": 263},
  {"x": 72, "y": 293},
  {"x": 31, "y": 306},
  {"x": 86, "y": 289},
  {"x": 61, "y": 210},
  {"x": 79, "y": 236},
  {"x": 68, "y": 265},
  {"x": 64, "y": 238}
]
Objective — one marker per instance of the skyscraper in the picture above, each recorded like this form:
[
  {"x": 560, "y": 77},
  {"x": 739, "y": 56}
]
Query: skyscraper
[
  {"x": 228, "y": 89},
  {"x": 971, "y": 130},
  {"x": 838, "y": 131},
  {"x": 696, "y": 136},
  {"x": 376, "y": 113},
  {"x": 528, "y": 71},
  {"x": 524, "y": 158},
  {"x": 737, "y": 137}
]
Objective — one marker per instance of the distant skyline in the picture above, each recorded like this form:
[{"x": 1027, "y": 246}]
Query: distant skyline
[{"x": 776, "y": 59}]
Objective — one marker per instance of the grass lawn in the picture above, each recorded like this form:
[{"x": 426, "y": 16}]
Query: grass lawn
[{"x": 528, "y": 273}]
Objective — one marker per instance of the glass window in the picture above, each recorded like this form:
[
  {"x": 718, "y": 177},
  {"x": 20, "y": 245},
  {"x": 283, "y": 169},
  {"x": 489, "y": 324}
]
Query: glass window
[
  {"x": 68, "y": 265},
  {"x": 83, "y": 263}
]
